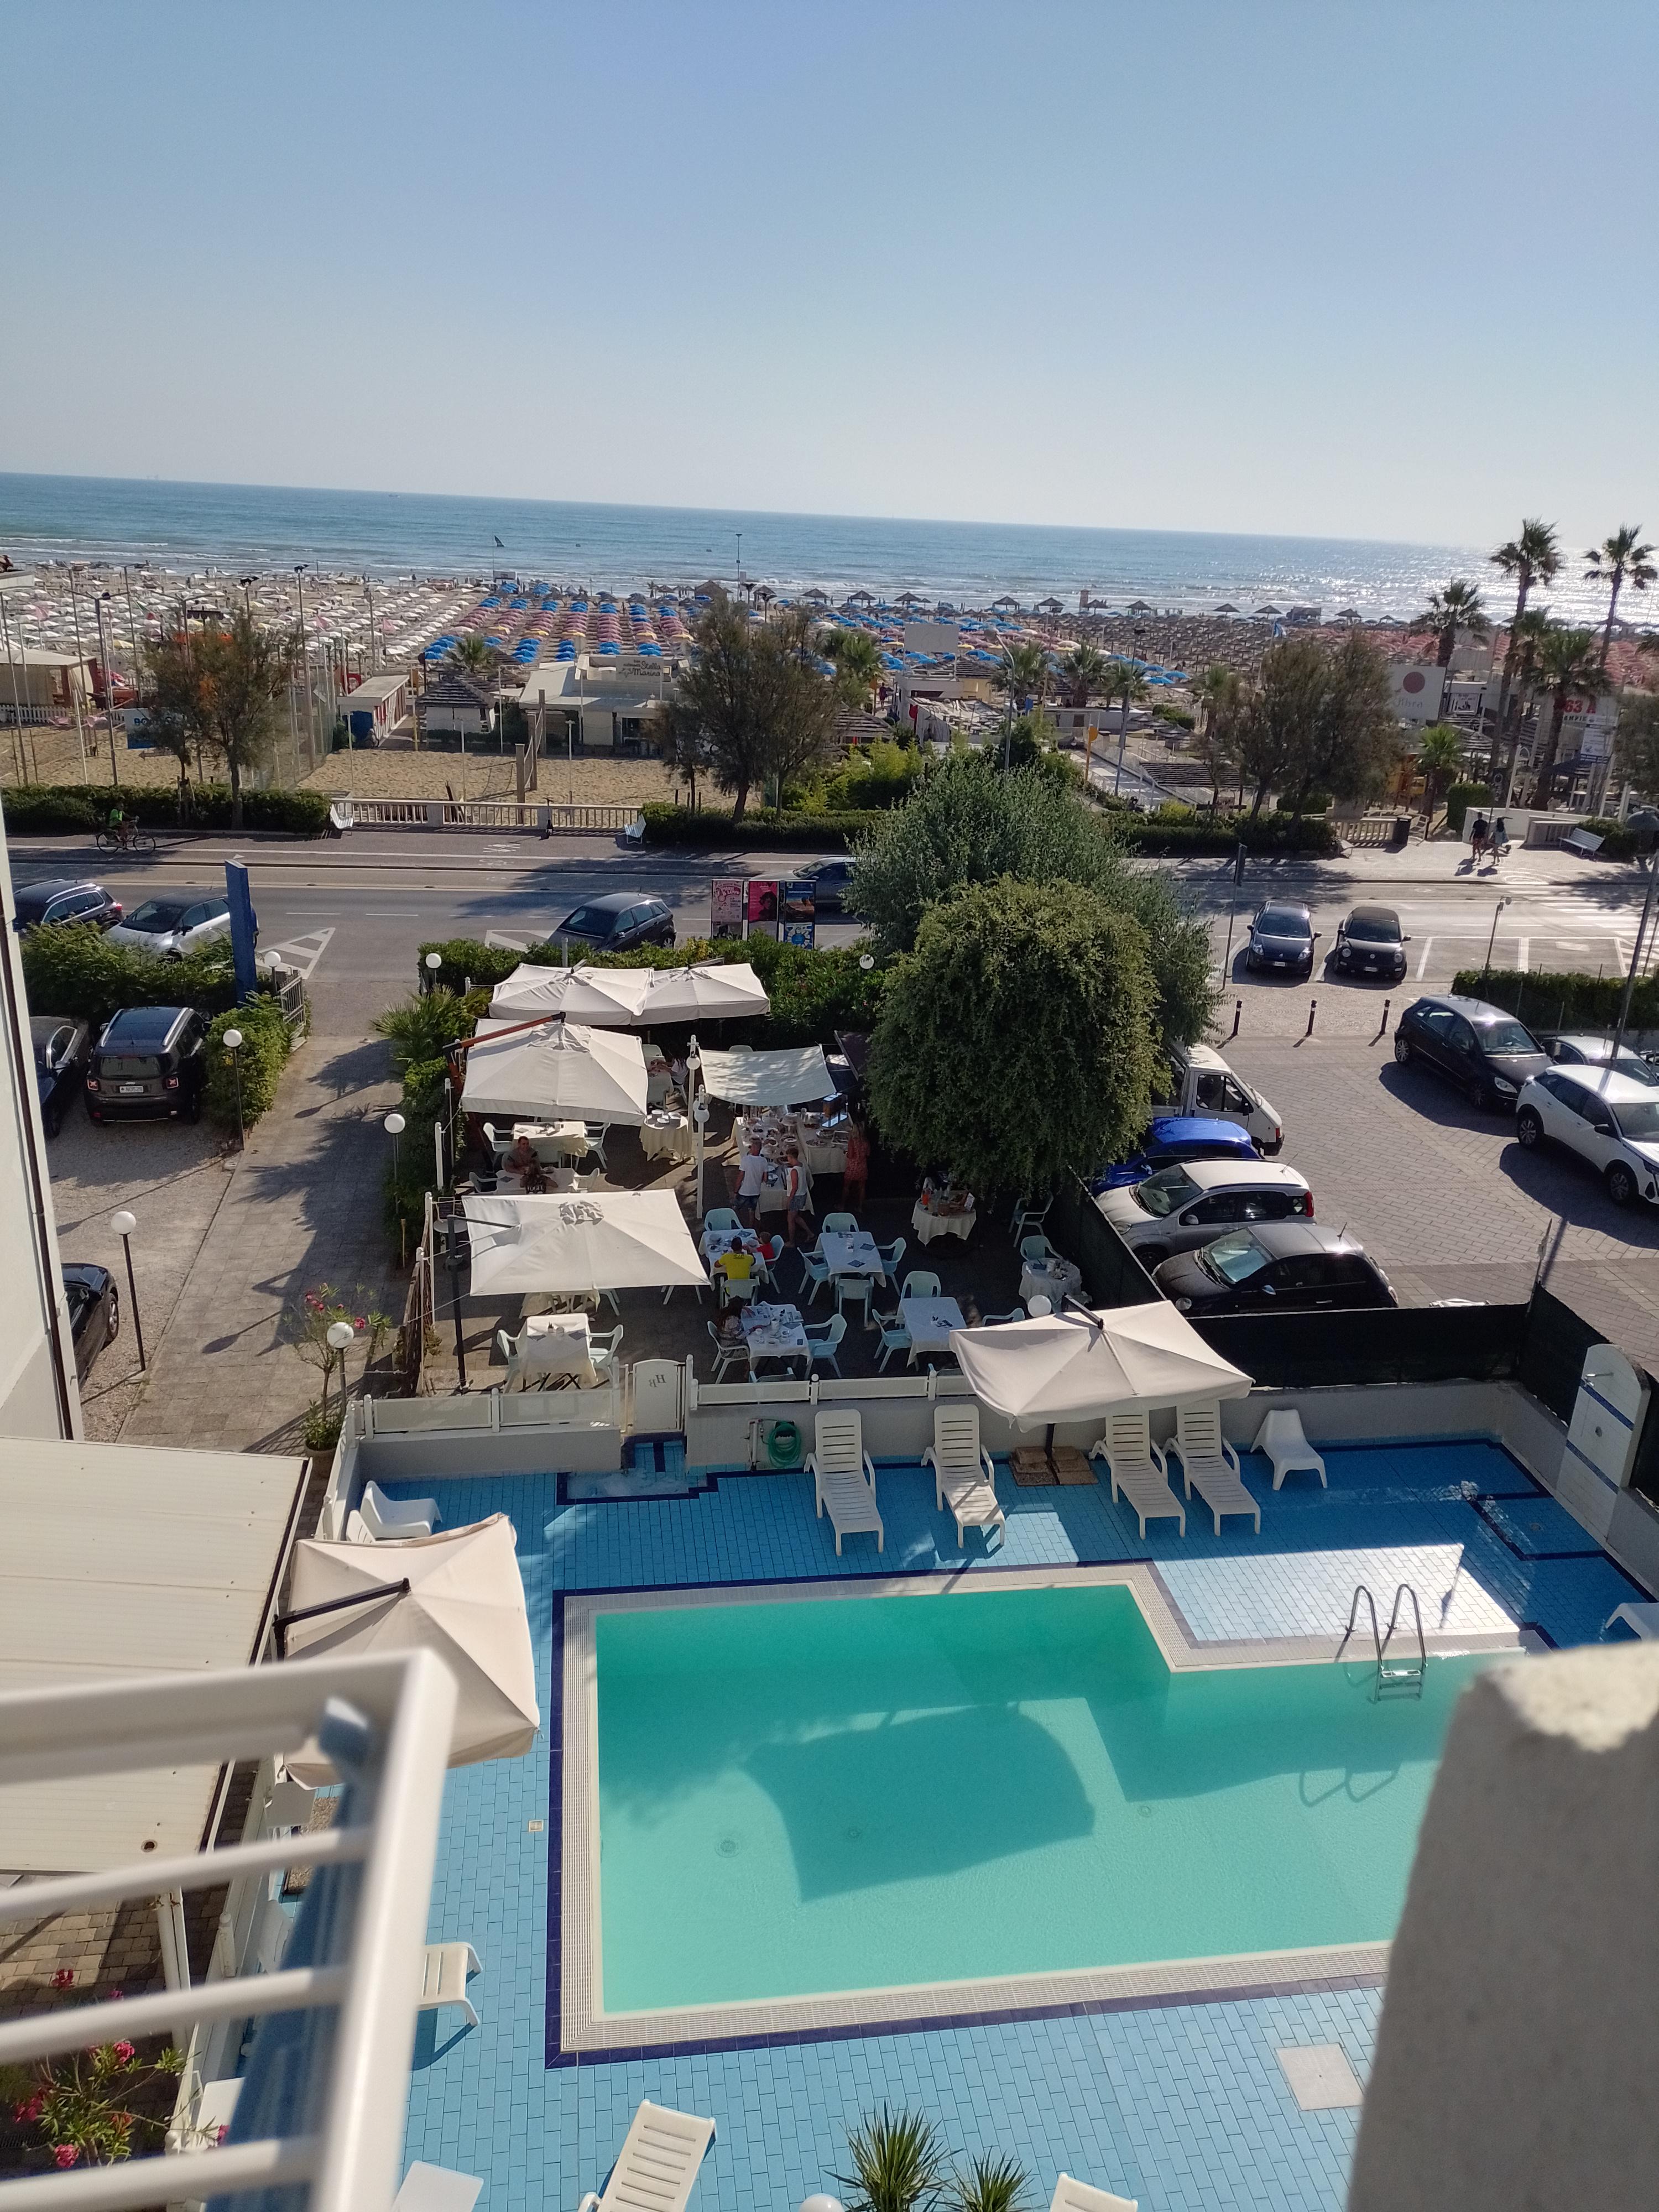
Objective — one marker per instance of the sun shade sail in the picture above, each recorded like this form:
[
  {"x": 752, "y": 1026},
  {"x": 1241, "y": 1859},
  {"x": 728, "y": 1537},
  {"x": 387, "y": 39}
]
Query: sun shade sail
[
  {"x": 716, "y": 991},
  {"x": 769, "y": 1078},
  {"x": 603, "y": 997},
  {"x": 1070, "y": 1366},
  {"x": 466, "y": 1602},
  {"x": 605, "y": 1240},
  {"x": 558, "y": 1070}
]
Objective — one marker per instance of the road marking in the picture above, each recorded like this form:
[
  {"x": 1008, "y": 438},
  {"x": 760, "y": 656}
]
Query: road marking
[
  {"x": 1525, "y": 944},
  {"x": 392, "y": 914},
  {"x": 1428, "y": 944},
  {"x": 305, "y": 950}
]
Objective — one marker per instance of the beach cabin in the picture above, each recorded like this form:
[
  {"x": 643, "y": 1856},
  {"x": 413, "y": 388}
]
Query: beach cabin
[{"x": 375, "y": 706}]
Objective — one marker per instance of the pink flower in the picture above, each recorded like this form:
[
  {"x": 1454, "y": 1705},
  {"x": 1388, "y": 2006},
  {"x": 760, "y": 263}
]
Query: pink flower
[
  {"x": 64, "y": 1978},
  {"x": 65, "y": 2155},
  {"x": 30, "y": 2109},
  {"x": 116, "y": 1995},
  {"x": 126, "y": 2053},
  {"x": 358, "y": 1322}
]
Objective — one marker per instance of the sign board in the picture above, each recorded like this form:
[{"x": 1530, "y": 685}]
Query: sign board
[
  {"x": 800, "y": 909},
  {"x": 761, "y": 903},
  {"x": 725, "y": 907},
  {"x": 244, "y": 928},
  {"x": 932, "y": 637}
]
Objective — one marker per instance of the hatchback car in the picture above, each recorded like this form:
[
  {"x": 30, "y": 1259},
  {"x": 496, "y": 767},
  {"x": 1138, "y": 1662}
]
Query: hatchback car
[
  {"x": 1597, "y": 1052},
  {"x": 1175, "y": 1137},
  {"x": 63, "y": 898},
  {"x": 1282, "y": 937},
  {"x": 1607, "y": 1118},
  {"x": 95, "y": 1311},
  {"x": 1185, "y": 1205},
  {"x": 60, "y": 1064},
  {"x": 1370, "y": 942},
  {"x": 829, "y": 880},
  {"x": 1275, "y": 1267},
  {"x": 177, "y": 923},
  {"x": 1485, "y": 1051},
  {"x": 617, "y": 922},
  {"x": 150, "y": 1062}
]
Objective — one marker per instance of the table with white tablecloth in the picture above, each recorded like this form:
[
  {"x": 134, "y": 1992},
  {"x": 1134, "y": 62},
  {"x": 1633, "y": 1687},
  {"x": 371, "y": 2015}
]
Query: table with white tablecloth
[
  {"x": 553, "y": 1348},
  {"x": 931, "y": 1221},
  {"x": 775, "y": 1332},
  {"x": 823, "y": 1151},
  {"x": 549, "y": 1140},
  {"x": 1054, "y": 1278},
  {"x": 929, "y": 1322},
  {"x": 666, "y": 1137}
]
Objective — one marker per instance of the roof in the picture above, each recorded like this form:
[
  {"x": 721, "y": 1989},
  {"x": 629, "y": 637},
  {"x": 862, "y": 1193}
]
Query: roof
[
  {"x": 1229, "y": 1175},
  {"x": 45, "y": 888},
  {"x": 144, "y": 1024},
  {"x": 123, "y": 1560},
  {"x": 1379, "y": 917},
  {"x": 1195, "y": 1129},
  {"x": 1284, "y": 1239},
  {"x": 1616, "y": 1090},
  {"x": 1477, "y": 1010}
]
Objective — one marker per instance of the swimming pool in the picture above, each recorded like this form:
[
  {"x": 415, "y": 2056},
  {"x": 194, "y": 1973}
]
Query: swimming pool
[{"x": 802, "y": 1799}]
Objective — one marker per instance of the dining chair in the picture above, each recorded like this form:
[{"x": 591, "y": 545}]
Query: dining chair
[
  {"x": 602, "y": 1350},
  {"x": 815, "y": 1270},
  {"x": 1036, "y": 1251},
  {"x": 854, "y": 1291},
  {"x": 890, "y": 1255},
  {"x": 596, "y": 1135},
  {"x": 895, "y": 1337},
  {"x": 723, "y": 1218},
  {"x": 1028, "y": 1216},
  {"x": 841, "y": 1224},
  {"x": 726, "y": 1354},
  {"x": 823, "y": 1342},
  {"x": 991, "y": 1321},
  {"x": 919, "y": 1284}
]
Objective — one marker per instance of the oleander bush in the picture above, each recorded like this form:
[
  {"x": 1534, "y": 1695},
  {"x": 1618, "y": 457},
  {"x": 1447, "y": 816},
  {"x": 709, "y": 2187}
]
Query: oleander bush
[
  {"x": 56, "y": 809},
  {"x": 1554, "y": 1000},
  {"x": 1459, "y": 800},
  {"x": 266, "y": 1042}
]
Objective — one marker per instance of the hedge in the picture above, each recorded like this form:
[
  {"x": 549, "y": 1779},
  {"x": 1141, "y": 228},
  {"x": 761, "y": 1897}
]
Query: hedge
[
  {"x": 49, "y": 809},
  {"x": 1269, "y": 834},
  {"x": 71, "y": 967},
  {"x": 712, "y": 825},
  {"x": 1619, "y": 840},
  {"x": 767, "y": 833},
  {"x": 1556, "y": 1000},
  {"x": 266, "y": 1042},
  {"x": 1460, "y": 798}
]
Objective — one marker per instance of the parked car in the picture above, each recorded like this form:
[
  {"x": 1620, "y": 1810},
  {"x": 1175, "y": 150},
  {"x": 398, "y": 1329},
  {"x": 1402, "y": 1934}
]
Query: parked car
[
  {"x": 174, "y": 924},
  {"x": 1274, "y": 1266},
  {"x": 829, "y": 880},
  {"x": 1282, "y": 936},
  {"x": 1175, "y": 1137},
  {"x": 1200, "y": 1082},
  {"x": 1186, "y": 1205},
  {"x": 1610, "y": 1119},
  {"x": 63, "y": 898},
  {"x": 1485, "y": 1051},
  {"x": 1597, "y": 1052},
  {"x": 151, "y": 1062},
  {"x": 95, "y": 1311},
  {"x": 1370, "y": 942},
  {"x": 617, "y": 922},
  {"x": 60, "y": 1064}
]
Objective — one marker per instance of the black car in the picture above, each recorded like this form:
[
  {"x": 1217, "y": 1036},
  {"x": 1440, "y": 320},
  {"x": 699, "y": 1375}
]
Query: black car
[
  {"x": 616, "y": 922},
  {"x": 63, "y": 898},
  {"x": 1274, "y": 1266},
  {"x": 60, "y": 1064},
  {"x": 1485, "y": 1051},
  {"x": 1282, "y": 936},
  {"x": 150, "y": 1061},
  {"x": 1370, "y": 942},
  {"x": 95, "y": 1311},
  {"x": 829, "y": 880}
]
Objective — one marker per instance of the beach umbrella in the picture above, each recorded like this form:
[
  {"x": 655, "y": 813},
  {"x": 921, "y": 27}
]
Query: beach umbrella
[
  {"x": 602, "y": 1240},
  {"x": 1227, "y": 608},
  {"x": 603, "y": 997},
  {"x": 559, "y": 1070},
  {"x": 707, "y": 991},
  {"x": 1079, "y": 1366}
]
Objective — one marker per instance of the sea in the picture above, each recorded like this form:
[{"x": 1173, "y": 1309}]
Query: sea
[{"x": 193, "y": 529}]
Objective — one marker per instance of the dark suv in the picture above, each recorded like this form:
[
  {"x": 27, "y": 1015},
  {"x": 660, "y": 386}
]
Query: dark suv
[
  {"x": 1480, "y": 1048},
  {"x": 63, "y": 898},
  {"x": 617, "y": 922},
  {"x": 150, "y": 1061}
]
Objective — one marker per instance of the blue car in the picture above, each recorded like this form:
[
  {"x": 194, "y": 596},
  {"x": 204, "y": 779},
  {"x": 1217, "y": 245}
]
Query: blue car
[{"x": 1179, "y": 1137}]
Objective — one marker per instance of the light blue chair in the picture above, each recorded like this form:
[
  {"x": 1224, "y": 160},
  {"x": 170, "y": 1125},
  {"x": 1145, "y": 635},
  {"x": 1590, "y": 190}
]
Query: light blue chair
[
  {"x": 721, "y": 1216},
  {"x": 895, "y": 1337},
  {"x": 919, "y": 1284},
  {"x": 726, "y": 1355},
  {"x": 815, "y": 1270},
  {"x": 823, "y": 1342},
  {"x": 841, "y": 1224},
  {"x": 854, "y": 1291},
  {"x": 890, "y": 1255}
]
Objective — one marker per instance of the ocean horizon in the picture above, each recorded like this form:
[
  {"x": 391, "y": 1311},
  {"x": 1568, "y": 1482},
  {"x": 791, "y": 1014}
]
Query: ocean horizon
[{"x": 198, "y": 528}]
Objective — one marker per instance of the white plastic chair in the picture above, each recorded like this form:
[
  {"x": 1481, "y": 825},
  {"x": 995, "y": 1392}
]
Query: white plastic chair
[
  {"x": 1078, "y": 2197},
  {"x": 964, "y": 1480},
  {"x": 844, "y": 1478},
  {"x": 726, "y": 1354},
  {"x": 1026, "y": 1216},
  {"x": 443, "y": 1978},
  {"x": 656, "y": 2164},
  {"x": 919, "y": 1284},
  {"x": 437, "y": 2189},
  {"x": 841, "y": 1224},
  {"x": 1036, "y": 1251},
  {"x": 895, "y": 1337},
  {"x": 722, "y": 1218},
  {"x": 388, "y": 1518},
  {"x": 823, "y": 1342},
  {"x": 1282, "y": 1438},
  {"x": 602, "y": 1351}
]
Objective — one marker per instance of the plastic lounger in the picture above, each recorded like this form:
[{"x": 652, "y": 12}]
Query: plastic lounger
[
  {"x": 844, "y": 1479},
  {"x": 1211, "y": 1465},
  {"x": 1136, "y": 1469},
  {"x": 656, "y": 2164},
  {"x": 1077, "y": 2197},
  {"x": 1282, "y": 1438},
  {"x": 397, "y": 1516},
  {"x": 443, "y": 1979},
  {"x": 964, "y": 1481},
  {"x": 437, "y": 2189},
  {"x": 1640, "y": 1620}
]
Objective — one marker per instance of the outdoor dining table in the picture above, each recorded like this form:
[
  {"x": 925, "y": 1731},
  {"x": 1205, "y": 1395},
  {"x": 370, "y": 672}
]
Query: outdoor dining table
[
  {"x": 1054, "y": 1278},
  {"x": 935, "y": 1220},
  {"x": 929, "y": 1322},
  {"x": 554, "y": 1349},
  {"x": 775, "y": 1332},
  {"x": 666, "y": 1137},
  {"x": 852, "y": 1252},
  {"x": 549, "y": 1140}
]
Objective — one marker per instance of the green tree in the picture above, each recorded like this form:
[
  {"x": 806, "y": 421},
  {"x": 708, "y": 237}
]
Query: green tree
[
  {"x": 181, "y": 716},
  {"x": 1569, "y": 667},
  {"x": 1316, "y": 719},
  {"x": 1223, "y": 696},
  {"x": 1023, "y": 673},
  {"x": 244, "y": 671},
  {"x": 674, "y": 733},
  {"x": 1636, "y": 748},
  {"x": 1439, "y": 756},
  {"x": 1532, "y": 557},
  {"x": 763, "y": 710},
  {"x": 857, "y": 659},
  {"x": 1617, "y": 560},
  {"x": 1017, "y": 1040},
  {"x": 475, "y": 655},
  {"x": 1276, "y": 729},
  {"x": 1085, "y": 671},
  {"x": 1455, "y": 606}
]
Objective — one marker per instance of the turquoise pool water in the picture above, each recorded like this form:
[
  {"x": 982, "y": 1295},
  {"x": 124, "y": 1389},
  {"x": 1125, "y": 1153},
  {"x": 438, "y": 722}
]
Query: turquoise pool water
[{"x": 843, "y": 1794}]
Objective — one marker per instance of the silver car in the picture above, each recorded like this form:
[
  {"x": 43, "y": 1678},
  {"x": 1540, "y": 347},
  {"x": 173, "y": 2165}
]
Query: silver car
[
  {"x": 1192, "y": 1202},
  {"x": 176, "y": 923}
]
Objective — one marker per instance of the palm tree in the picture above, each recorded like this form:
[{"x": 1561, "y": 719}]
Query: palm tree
[
  {"x": 1533, "y": 558},
  {"x": 473, "y": 652},
  {"x": 1022, "y": 673},
  {"x": 1568, "y": 666},
  {"x": 1455, "y": 606},
  {"x": 1439, "y": 755},
  {"x": 1085, "y": 670},
  {"x": 1125, "y": 680},
  {"x": 1221, "y": 693},
  {"x": 1617, "y": 560},
  {"x": 858, "y": 665},
  {"x": 1526, "y": 635}
]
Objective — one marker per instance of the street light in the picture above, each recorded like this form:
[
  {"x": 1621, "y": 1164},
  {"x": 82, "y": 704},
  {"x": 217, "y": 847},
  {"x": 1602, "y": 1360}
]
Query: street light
[
  {"x": 435, "y": 961},
  {"x": 99, "y": 599},
  {"x": 456, "y": 1228},
  {"x": 123, "y": 1224},
  {"x": 340, "y": 1335},
  {"x": 394, "y": 1126},
  {"x": 1491, "y": 940},
  {"x": 233, "y": 1044}
]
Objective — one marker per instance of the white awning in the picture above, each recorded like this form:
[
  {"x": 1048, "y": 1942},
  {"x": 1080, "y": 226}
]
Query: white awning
[
  {"x": 724, "y": 990},
  {"x": 464, "y": 1602},
  {"x": 604, "y": 1240},
  {"x": 603, "y": 997},
  {"x": 559, "y": 1070},
  {"x": 795, "y": 1077},
  {"x": 1073, "y": 1366}
]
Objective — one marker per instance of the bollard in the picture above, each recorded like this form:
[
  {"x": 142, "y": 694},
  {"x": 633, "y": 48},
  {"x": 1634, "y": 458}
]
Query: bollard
[
  {"x": 1383, "y": 1026},
  {"x": 1313, "y": 1008},
  {"x": 1238, "y": 1016}
]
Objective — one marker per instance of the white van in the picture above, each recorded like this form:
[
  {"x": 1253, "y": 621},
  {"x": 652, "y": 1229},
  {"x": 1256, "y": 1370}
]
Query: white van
[{"x": 1203, "y": 1084}]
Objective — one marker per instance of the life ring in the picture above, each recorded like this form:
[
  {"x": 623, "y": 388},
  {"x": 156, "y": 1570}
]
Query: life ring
[{"x": 783, "y": 1445}]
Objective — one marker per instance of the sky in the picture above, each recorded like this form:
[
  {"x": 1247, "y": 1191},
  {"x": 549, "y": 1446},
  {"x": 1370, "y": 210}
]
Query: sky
[{"x": 1363, "y": 268}]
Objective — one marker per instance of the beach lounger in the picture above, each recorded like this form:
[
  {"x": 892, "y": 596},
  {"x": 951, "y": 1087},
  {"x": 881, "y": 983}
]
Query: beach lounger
[
  {"x": 844, "y": 1479},
  {"x": 1077, "y": 2197},
  {"x": 443, "y": 1979},
  {"x": 1137, "y": 1469},
  {"x": 964, "y": 1482},
  {"x": 1640, "y": 1620},
  {"x": 1281, "y": 1438},
  {"x": 1211, "y": 1465},
  {"x": 437, "y": 2189},
  {"x": 656, "y": 2164}
]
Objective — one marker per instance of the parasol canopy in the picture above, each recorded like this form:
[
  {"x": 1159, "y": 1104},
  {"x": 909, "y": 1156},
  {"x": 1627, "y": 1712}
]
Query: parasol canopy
[
  {"x": 793, "y": 1077},
  {"x": 1074, "y": 1366},
  {"x": 725, "y": 990},
  {"x": 604, "y": 1240},
  {"x": 559, "y": 1070},
  {"x": 603, "y": 997}
]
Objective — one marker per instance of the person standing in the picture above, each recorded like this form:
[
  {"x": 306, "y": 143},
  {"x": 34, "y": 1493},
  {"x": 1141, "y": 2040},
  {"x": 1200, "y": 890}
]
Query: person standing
[
  {"x": 1478, "y": 837},
  {"x": 752, "y": 1174},
  {"x": 798, "y": 1204}
]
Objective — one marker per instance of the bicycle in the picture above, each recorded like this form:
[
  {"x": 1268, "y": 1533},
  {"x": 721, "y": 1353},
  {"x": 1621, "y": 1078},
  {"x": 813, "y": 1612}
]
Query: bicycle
[{"x": 126, "y": 840}]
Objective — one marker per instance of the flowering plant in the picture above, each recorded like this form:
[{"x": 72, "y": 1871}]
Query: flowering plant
[
  {"x": 82, "y": 2107},
  {"x": 309, "y": 1322}
]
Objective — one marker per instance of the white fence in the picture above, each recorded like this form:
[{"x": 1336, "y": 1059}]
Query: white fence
[{"x": 478, "y": 814}]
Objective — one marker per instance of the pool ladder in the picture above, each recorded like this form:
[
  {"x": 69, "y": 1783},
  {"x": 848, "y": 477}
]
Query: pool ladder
[{"x": 1400, "y": 1677}]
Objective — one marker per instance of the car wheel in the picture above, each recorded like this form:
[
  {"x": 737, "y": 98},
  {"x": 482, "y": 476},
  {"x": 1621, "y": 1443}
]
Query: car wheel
[
  {"x": 1402, "y": 1047},
  {"x": 1152, "y": 1256},
  {"x": 1529, "y": 1130},
  {"x": 1621, "y": 1183},
  {"x": 194, "y": 1110},
  {"x": 114, "y": 1329},
  {"x": 53, "y": 1120}
]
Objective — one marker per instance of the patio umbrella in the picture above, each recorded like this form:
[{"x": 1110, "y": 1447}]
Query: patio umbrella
[
  {"x": 791, "y": 1077},
  {"x": 464, "y": 1601},
  {"x": 1075, "y": 1366},
  {"x": 601, "y": 997},
  {"x": 721, "y": 990},
  {"x": 605, "y": 1240},
  {"x": 558, "y": 1070}
]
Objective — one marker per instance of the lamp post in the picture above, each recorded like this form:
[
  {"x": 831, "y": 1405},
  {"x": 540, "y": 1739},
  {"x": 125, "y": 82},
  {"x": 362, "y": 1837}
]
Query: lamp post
[
  {"x": 394, "y": 1126},
  {"x": 433, "y": 962},
  {"x": 109, "y": 685},
  {"x": 454, "y": 1226},
  {"x": 1491, "y": 940},
  {"x": 247, "y": 584},
  {"x": 300, "y": 568},
  {"x": 340, "y": 1335},
  {"x": 233, "y": 1044},
  {"x": 123, "y": 1224}
]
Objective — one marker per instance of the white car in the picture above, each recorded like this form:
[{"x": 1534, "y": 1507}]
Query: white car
[
  {"x": 1195, "y": 1202},
  {"x": 1611, "y": 1121},
  {"x": 176, "y": 923}
]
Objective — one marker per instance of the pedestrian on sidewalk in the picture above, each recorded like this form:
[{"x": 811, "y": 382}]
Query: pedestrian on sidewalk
[
  {"x": 1499, "y": 842},
  {"x": 1478, "y": 837}
]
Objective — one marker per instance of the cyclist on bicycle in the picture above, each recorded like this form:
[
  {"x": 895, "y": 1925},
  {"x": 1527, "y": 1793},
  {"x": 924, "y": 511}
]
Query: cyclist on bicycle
[{"x": 117, "y": 823}]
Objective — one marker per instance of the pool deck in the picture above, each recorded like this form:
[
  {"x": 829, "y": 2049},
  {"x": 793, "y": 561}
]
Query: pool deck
[{"x": 1178, "y": 2102}]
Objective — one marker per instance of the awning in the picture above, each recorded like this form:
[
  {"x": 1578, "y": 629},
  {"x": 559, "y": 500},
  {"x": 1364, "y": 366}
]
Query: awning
[
  {"x": 726, "y": 990},
  {"x": 466, "y": 1602},
  {"x": 603, "y": 997},
  {"x": 559, "y": 1070},
  {"x": 1073, "y": 1366},
  {"x": 769, "y": 1078},
  {"x": 605, "y": 1240}
]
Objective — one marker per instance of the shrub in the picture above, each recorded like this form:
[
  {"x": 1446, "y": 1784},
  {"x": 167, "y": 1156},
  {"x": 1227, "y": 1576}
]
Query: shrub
[
  {"x": 71, "y": 967},
  {"x": 1556, "y": 1000},
  {"x": 54, "y": 809},
  {"x": 1178, "y": 715},
  {"x": 1460, "y": 798},
  {"x": 1617, "y": 840},
  {"x": 1267, "y": 834},
  {"x": 882, "y": 777},
  {"x": 265, "y": 1048},
  {"x": 712, "y": 825}
]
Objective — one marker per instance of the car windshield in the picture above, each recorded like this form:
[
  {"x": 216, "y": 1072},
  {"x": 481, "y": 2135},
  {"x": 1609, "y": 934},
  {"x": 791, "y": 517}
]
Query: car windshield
[
  {"x": 156, "y": 915},
  {"x": 1372, "y": 930},
  {"x": 1638, "y": 1069},
  {"x": 1507, "y": 1037},
  {"x": 117, "y": 1065},
  {"x": 1233, "y": 1259},
  {"x": 1637, "y": 1119},
  {"x": 591, "y": 921},
  {"x": 1162, "y": 1193},
  {"x": 1284, "y": 922}
]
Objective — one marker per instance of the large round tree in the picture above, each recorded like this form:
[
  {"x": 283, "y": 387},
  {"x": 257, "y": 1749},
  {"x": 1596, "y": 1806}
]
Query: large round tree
[{"x": 1017, "y": 1040}]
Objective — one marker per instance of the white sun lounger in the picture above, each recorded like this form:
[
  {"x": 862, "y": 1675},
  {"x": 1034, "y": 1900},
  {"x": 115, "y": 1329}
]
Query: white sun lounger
[
  {"x": 437, "y": 2189},
  {"x": 388, "y": 1519},
  {"x": 1282, "y": 1437},
  {"x": 443, "y": 1978},
  {"x": 844, "y": 1479},
  {"x": 1640, "y": 1620},
  {"x": 964, "y": 1481},
  {"x": 1137, "y": 1471},
  {"x": 1077, "y": 2197},
  {"x": 1211, "y": 1465},
  {"x": 656, "y": 2164}
]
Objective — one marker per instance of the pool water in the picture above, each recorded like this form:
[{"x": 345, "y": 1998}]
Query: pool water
[{"x": 845, "y": 1794}]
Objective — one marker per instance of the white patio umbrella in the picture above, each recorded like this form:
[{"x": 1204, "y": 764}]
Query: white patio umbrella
[
  {"x": 464, "y": 1601},
  {"x": 557, "y": 1070},
  {"x": 1074, "y": 1366},
  {"x": 715, "y": 991},
  {"x": 791, "y": 1077},
  {"x": 603, "y": 997},
  {"x": 605, "y": 1240}
]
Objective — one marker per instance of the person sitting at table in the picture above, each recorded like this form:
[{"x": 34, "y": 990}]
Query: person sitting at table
[
  {"x": 735, "y": 1266},
  {"x": 752, "y": 1174},
  {"x": 534, "y": 1181},
  {"x": 522, "y": 1158},
  {"x": 856, "y": 1178}
]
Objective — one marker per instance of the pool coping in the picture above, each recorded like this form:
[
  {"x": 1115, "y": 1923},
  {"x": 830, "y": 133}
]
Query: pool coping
[{"x": 582, "y": 2030}]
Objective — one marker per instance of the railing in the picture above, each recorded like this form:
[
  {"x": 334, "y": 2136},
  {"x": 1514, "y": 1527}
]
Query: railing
[
  {"x": 480, "y": 814},
  {"x": 1392, "y": 1677},
  {"x": 1369, "y": 829}
]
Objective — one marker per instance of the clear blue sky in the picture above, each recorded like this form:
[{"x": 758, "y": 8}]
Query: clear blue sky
[{"x": 1360, "y": 267}]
